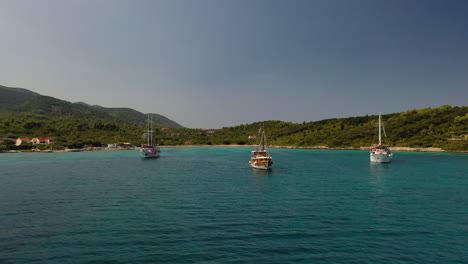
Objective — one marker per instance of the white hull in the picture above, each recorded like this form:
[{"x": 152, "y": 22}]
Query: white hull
[
  {"x": 148, "y": 154},
  {"x": 260, "y": 167},
  {"x": 260, "y": 157},
  {"x": 380, "y": 153},
  {"x": 381, "y": 157},
  {"x": 149, "y": 150},
  {"x": 261, "y": 164}
]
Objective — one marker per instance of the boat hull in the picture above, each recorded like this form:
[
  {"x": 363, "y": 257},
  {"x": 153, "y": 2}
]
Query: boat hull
[
  {"x": 261, "y": 163},
  {"x": 260, "y": 167},
  {"x": 381, "y": 157},
  {"x": 260, "y": 157},
  {"x": 149, "y": 154}
]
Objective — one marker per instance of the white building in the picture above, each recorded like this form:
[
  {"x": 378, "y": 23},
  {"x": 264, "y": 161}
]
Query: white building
[
  {"x": 20, "y": 141},
  {"x": 42, "y": 140}
]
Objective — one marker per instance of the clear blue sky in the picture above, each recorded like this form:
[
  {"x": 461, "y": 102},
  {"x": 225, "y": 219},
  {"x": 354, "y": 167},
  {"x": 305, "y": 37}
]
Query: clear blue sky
[{"x": 215, "y": 63}]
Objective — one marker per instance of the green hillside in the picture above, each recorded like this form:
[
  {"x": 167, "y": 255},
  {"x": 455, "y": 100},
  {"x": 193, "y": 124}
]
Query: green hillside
[
  {"x": 131, "y": 116},
  {"x": 46, "y": 105},
  {"x": 14, "y": 101},
  {"x": 12, "y": 97},
  {"x": 68, "y": 131},
  {"x": 443, "y": 127},
  {"x": 75, "y": 125}
]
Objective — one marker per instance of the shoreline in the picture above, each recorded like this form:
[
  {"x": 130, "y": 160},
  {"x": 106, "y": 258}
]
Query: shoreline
[{"x": 398, "y": 149}]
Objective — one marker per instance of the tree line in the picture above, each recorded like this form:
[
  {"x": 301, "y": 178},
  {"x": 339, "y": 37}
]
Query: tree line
[{"x": 445, "y": 127}]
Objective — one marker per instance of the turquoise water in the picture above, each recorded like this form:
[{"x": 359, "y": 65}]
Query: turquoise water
[{"x": 205, "y": 205}]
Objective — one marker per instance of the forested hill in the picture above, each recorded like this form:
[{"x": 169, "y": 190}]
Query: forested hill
[
  {"x": 18, "y": 100},
  {"x": 445, "y": 127},
  {"x": 11, "y": 97}
]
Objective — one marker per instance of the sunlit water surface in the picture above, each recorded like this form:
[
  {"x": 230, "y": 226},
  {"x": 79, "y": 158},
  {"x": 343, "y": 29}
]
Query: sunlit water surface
[{"x": 205, "y": 205}]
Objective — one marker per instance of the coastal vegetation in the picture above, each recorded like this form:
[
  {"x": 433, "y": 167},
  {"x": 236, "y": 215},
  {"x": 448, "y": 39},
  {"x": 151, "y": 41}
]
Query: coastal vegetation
[{"x": 443, "y": 127}]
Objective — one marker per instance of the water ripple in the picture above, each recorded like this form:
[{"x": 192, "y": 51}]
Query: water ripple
[{"x": 204, "y": 205}]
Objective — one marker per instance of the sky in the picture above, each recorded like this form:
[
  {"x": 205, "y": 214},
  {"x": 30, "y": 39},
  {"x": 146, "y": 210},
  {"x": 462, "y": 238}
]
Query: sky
[{"x": 219, "y": 63}]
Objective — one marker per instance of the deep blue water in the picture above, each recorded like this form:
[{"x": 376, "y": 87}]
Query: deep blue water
[{"x": 205, "y": 205}]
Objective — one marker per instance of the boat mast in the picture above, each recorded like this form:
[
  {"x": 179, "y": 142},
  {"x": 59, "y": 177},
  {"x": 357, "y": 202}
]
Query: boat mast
[
  {"x": 151, "y": 130},
  {"x": 262, "y": 139},
  {"x": 380, "y": 132},
  {"x": 148, "y": 131}
]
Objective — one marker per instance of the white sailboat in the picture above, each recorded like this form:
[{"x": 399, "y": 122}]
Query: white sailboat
[
  {"x": 380, "y": 153},
  {"x": 149, "y": 150},
  {"x": 260, "y": 157}
]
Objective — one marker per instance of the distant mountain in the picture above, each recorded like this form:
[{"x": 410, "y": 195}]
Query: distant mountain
[
  {"x": 131, "y": 116},
  {"x": 23, "y": 100},
  {"x": 11, "y": 97},
  {"x": 83, "y": 103}
]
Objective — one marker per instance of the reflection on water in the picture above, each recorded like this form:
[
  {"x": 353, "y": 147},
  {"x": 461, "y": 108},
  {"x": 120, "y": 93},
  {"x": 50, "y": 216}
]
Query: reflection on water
[
  {"x": 258, "y": 173},
  {"x": 379, "y": 174},
  {"x": 378, "y": 169}
]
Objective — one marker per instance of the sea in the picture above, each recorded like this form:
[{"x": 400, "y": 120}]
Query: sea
[{"x": 206, "y": 205}]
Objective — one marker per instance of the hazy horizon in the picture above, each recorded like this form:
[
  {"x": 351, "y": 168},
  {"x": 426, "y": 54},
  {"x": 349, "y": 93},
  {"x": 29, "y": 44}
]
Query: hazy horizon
[{"x": 216, "y": 63}]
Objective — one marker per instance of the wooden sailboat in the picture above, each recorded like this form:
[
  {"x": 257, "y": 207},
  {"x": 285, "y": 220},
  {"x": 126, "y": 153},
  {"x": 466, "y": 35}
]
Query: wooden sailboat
[
  {"x": 149, "y": 150},
  {"x": 260, "y": 157},
  {"x": 380, "y": 153}
]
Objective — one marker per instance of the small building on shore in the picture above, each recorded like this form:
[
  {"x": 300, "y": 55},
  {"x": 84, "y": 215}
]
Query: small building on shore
[
  {"x": 42, "y": 140},
  {"x": 20, "y": 141}
]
